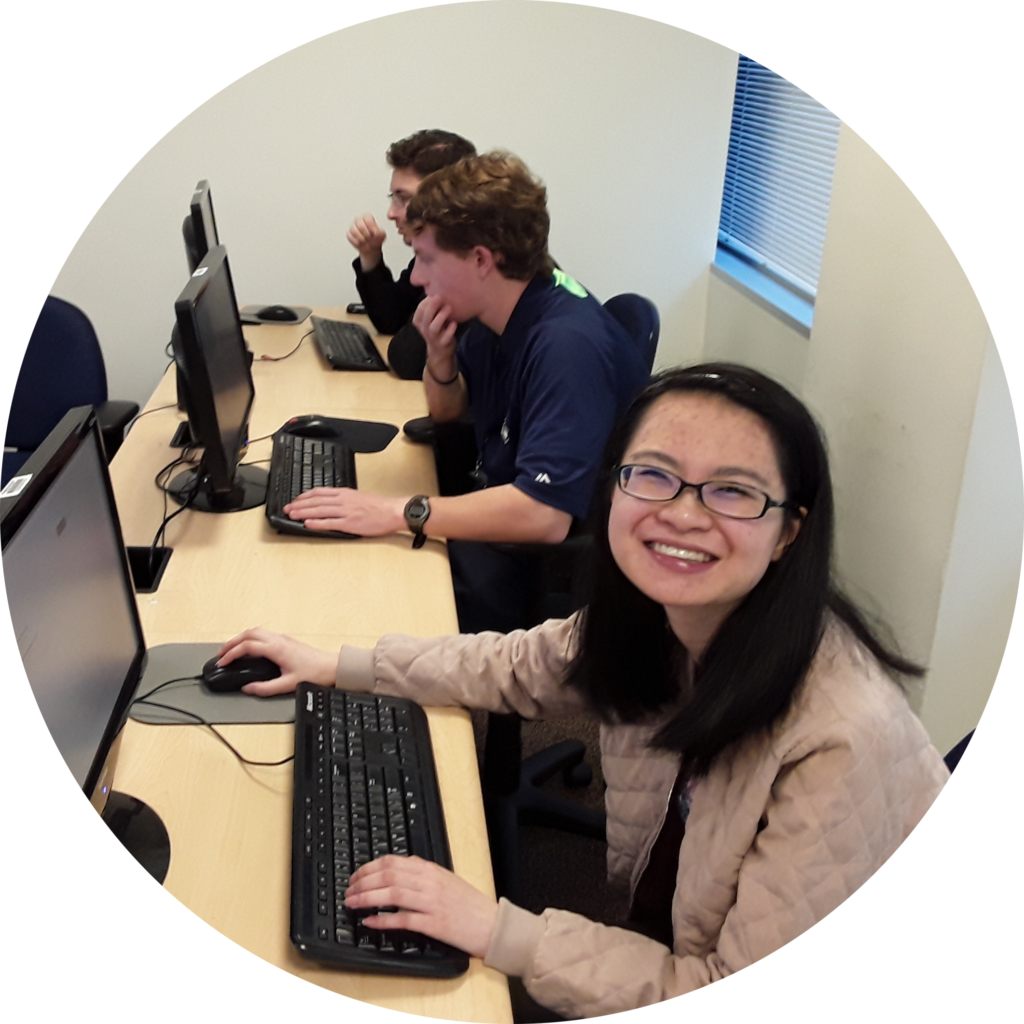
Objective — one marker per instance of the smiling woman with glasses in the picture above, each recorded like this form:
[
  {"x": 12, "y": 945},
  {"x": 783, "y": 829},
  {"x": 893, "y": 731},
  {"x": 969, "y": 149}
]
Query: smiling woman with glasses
[{"x": 760, "y": 758}]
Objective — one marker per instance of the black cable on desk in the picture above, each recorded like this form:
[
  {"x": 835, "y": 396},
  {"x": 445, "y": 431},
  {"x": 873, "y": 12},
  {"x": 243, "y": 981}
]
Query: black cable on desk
[
  {"x": 161, "y": 481},
  {"x": 163, "y": 475},
  {"x": 201, "y": 721},
  {"x": 180, "y": 679},
  {"x": 135, "y": 700}
]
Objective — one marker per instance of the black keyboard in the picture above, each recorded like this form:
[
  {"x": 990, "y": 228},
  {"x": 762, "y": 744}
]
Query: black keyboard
[
  {"x": 299, "y": 463},
  {"x": 346, "y": 346},
  {"x": 365, "y": 786}
]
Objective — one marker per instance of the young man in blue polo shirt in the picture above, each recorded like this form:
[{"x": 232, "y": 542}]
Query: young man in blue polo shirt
[{"x": 543, "y": 367}]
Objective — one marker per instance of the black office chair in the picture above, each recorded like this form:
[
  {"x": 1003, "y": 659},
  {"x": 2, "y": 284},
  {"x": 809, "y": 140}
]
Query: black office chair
[
  {"x": 63, "y": 368},
  {"x": 511, "y": 785},
  {"x": 952, "y": 759},
  {"x": 639, "y": 316}
]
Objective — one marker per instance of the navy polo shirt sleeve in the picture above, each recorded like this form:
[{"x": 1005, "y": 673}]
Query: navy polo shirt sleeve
[{"x": 568, "y": 409}]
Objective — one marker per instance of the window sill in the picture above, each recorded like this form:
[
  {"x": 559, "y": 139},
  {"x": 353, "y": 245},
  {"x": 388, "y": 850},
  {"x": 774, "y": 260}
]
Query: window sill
[{"x": 792, "y": 310}]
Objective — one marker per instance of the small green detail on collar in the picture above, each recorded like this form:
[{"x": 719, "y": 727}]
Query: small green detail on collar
[{"x": 563, "y": 280}]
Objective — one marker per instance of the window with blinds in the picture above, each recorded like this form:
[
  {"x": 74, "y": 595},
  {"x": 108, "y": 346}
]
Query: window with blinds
[{"x": 778, "y": 179}]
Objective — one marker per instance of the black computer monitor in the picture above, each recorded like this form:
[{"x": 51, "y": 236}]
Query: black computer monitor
[
  {"x": 71, "y": 596},
  {"x": 214, "y": 368},
  {"x": 199, "y": 231}
]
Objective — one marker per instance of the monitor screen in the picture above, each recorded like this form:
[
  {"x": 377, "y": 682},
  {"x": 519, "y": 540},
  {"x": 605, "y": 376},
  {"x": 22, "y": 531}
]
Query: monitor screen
[
  {"x": 73, "y": 606},
  {"x": 200, "y": 228},
  {"x": 214, "y": 367}
]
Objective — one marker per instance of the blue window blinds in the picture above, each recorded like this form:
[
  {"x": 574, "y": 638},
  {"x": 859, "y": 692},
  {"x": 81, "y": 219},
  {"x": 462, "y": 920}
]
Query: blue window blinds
[{"x": 778, "y": 178}]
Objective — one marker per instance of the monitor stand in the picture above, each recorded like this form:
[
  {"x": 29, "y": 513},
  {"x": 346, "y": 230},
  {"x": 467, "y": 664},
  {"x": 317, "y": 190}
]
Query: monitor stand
[
  {"x": 140, "y": 831},
  {"x": 249, "y": 490}
]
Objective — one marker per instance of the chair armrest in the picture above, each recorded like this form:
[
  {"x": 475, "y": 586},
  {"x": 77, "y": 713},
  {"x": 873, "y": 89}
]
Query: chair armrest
[
  {"x": 113, "y": 417},
  {"x": 573, "y": 544}
]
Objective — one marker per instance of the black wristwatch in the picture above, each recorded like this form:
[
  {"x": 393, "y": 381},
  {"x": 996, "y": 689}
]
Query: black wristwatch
[{"x": 417, "y": 512}]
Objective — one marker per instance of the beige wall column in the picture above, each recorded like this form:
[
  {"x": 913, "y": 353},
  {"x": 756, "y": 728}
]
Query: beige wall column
[{"x": 902, "y": 373}]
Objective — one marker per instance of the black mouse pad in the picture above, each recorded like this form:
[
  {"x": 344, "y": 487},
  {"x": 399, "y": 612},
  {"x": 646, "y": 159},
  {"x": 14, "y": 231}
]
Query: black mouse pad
[
  {"x": 189, "y": 697},
  {"x": 365, "y": 436}
]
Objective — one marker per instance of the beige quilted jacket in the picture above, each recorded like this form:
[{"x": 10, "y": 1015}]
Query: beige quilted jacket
[{"x": 781, "y": 831}]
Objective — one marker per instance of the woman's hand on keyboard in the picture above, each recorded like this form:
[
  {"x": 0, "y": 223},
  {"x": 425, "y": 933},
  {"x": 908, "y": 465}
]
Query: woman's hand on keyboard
[
  {"x": 348, "y": 510},
  {"x": 431, "y": 899},
  {"x": 298, "y": 662}
]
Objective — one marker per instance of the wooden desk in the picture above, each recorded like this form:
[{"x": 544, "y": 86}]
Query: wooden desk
[{"x": 230, "y": 824}]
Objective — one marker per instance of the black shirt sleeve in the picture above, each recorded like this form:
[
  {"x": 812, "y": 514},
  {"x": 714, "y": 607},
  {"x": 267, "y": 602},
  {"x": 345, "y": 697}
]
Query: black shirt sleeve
[{"x": 390, "y": 304}]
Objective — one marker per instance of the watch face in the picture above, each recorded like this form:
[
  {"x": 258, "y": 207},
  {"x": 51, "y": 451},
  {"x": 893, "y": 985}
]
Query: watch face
[{"x": 417, "y": 511}]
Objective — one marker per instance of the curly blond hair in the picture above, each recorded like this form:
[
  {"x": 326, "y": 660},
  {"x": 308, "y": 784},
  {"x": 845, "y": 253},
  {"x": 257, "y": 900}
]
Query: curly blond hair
[{"x": 491, "y": 200}]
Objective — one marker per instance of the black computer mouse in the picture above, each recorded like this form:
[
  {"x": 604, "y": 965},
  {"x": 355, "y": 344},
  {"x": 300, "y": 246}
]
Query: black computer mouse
[
  {"x": 282, "y": 313},
  {"x": 311, "y": 426},
  {"x": 246, "y": 669}
]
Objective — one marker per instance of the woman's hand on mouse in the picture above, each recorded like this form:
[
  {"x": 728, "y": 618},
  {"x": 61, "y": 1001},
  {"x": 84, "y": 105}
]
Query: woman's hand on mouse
[
  {"x": 298, "y": 662},
  {"x": 431, "y": 899}
]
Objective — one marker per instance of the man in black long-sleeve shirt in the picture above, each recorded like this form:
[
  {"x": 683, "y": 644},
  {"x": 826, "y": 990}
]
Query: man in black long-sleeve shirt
[{"x": 391, "y": 303}]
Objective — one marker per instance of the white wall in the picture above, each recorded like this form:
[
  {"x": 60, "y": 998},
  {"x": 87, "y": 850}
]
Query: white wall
[
  {"x": 983, "y": 568},
  {"x": 90, "y": 85},
  {"x": 915, "y": 369},
  {"x": 627, "y": 121},
  {"x": 622, "y": 108},
  {"x": 901, "y": 372},
  {"x": 741, "y": 330}
]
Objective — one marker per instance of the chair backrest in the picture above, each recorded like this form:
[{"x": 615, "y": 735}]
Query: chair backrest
[
  {"x": 639, "y": 316},
  {"x": 952, "y": 759},
  {"x": 63, "y": 367}
]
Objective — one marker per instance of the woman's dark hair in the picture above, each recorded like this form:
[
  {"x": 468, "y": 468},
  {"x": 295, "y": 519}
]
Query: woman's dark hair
[{"x": 630, "y": 664}]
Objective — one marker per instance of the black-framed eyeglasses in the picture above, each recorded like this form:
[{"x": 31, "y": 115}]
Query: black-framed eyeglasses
[{"x": 723, "y": 497}]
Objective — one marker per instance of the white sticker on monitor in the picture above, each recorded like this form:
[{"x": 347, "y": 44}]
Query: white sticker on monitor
[
  {"x": 200, "y": 271},
  {"x": 15, "y": 486}
]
